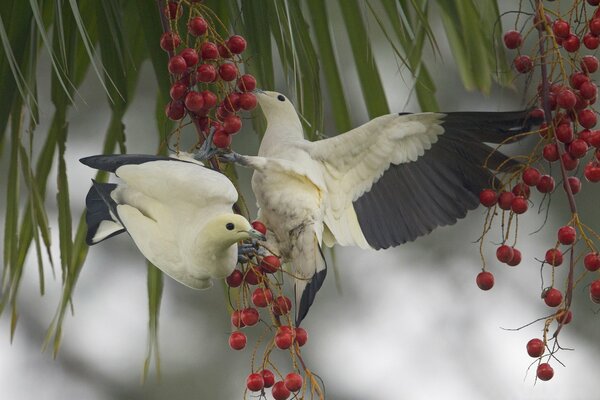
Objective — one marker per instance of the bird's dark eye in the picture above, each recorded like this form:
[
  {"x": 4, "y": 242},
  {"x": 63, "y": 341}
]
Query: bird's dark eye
[
  {"x": 230, "y": 226},
  {"x": 281, "y": 97}
]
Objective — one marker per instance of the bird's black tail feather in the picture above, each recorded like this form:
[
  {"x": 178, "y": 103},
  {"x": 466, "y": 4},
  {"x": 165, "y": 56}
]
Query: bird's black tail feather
[{"x": 101, "y": 213}]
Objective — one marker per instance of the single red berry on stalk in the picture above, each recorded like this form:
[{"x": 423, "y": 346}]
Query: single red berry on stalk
[
  {"x": 504, "y": 253},
  {"x": 209, "y": 51},
  {"x": 194, "y": 101},
  {"x": 521, "y": 189},
  {"x": 232, "y": 124},
  {"x": 574, "y": 184},
  {"x": 571, "y": 43},
  {"x": 173, "y": 10},
  {"x": 282, "y": 305},
  {"x": 591, "y": 262},
  {"x": 588, "y": 90},
  {"x": 301, "y": 336},
  {"x": 236, "y": 44},
  {"x": 516, "y": 260},
  {"x": 591, "y": 41},
  {"x": 519, "y": 205},
  {"x": 279, "y": 391},
  {"x": 587, "y": 118},
  {"x": 270, "y": 264},
  {"x": 586, "y": 135},
  {"x": 545, "y": 372},
  {"x": 567, "y": 235},
  {"x": 592, "y": 171},
  {"x": 561, "y": 28},
  {"x": 262, "y": 297},
  {"x": 283, "y": 340},
  {"x": 523, "y": 64},
  {"x": 537, "y": 114},
  {"x": 235, "y": 278},
  {"x": 554, "y": 257},
  {"x": 512, "y": 39},
  {"x": 222, "y": 140},
  {"x": 253, "y": 276},
  {"x": 546, "y": 184},
  {"x": 564, "y": 133},
  {"x": 552, "y": 297},
  {"x": 578, "y": 148},
  {"x": 197, "y": 26},
  {"x": 488, "y": 197},
  {"x": 177, "y": 90},
  {"x": 237, "y": 340},
  {"x": 259, "y": 226},
  {"x": 563, "y": 317},
  {"x": 255, "y": 382},
  {"x": 566, "y": 99},
  {"x": 190, "y": 56},
  {"x": 569, "y": 162},
  {"x": 594, "y": 26},
  {"x": 285, "y": 329},
  {"x": 505, "y": 200},
  {"x": 246, "y": 83},
  {"x": 535, "y": 348},
  {"x": 206, "y": 73},
  {"x": 236, "y": 319},
  {"x": 210, "y": 99},
  {"x": 485, "y": 280},
  {"x": 268, "y": 378},
  {"x": 589, "y": 64},
  {"x": 232, "y": 102},
  {"x": 224, "y": 51},
  {"x": 177, "y": 65},
  {"x": 175, "y": 110},
  {"x": 228, "y": 71},
  {"x": 249, "y": 316},
  {"x": 293, "y": 382},
  {"x": 531, "y": 176},
  {"x": 247, "y": 101},
  {"x": 550, "y": 152},
  {"x": 169, "y": 41},
  {"x": 595, "y": 291}
]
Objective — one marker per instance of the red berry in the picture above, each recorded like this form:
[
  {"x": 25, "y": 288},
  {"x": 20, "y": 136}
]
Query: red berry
[
  {"x": 566, "y": 99},
  {"x": 592, "y": 171},
  {"x": 567, "y": 235},
  {"x": 592, "y": 262},
  {"x": 574, "y": 184},
  {"x": 207, "y": 73},
  {"x": 222, "y": 139},
  {"x": 237, "y": 340},
  {"x": 594, "y": 25},
  {"x": 259, "y": 226},
  {"x": 563, "y": 317},
  {"x": 554, "y": 257},
  {"x": 246, "y": 83},
  {"x": 270, "y": 264},
  {"x": 593, "y": 3},
  {"x": 504, "y": 253},
  {"x": 236, "y": 44},
  {"x": 169, "y": 41},
  {"x": 224, "y": 51},
  {"x": 531, "y": 176},
  {"x": 591, "y": 41},
  {"x": 177, "y": 90},
  {"x": 249, "y": 316},
  {"x": 255, "y": 382},
  {"x": 535, "y": 348},
  {"x": 177, "y": 65},
  {"x": 595, "y": 291},
  {"x": 248, "y": 101},
  {"x": 552, "y": 297},
  {"x": 505, "y": 200},
  {"x": 521, "y": 189},
  {"x": 594, "y": 139},
  {"x": 197, "y": 26},
  {"x": 519, "y": 205},
  {"x": 194, "y": 101},
  {"x": 175, "y": 110},
  {"x": 268, "y": 378},
  {"x": 571, "y": 43},
  {"x": 209, "y": 51},
  {"x": 523, "y": 64},
  {"x": 232, "y": 102},
  {"x": 546, "y": 184},
  {"x": 283, "y": 340},
  {"x": 550, "y": 152},
  {"x": 236, "y": 319},
  {"x": 578, "y": 148},
  {"x": 516, "y": 260},
  {"x": 488, "y": 197},
  {"x": 577, "y": 79},
  {"x": 253, "y": 276},
  {"x": 262, "y": 297},
  {"x": 235, "y": 279},
  {"x": 587, "y": 118},
  {"x": 561, "y": 28},
  {"x": 190, "y": 56},
  {"x": 280, "y": 392},
  {"x": 564, "y": 133},
  {"x": 485, "y": 280},
  {"x": 589, "y": 64},
  {"x": 173, "y": 10},
  {"x": 588, "y": 90},
  {"x": 301, "y": 336},
  {"x": 210, "y": 99},
  {"x": 569, "y": 162},
  {"x": 282, "y": 305},
  {"x": 293, "y": 382},
  {"x": 228, "y": 71},
  {"x": 232, "y": 124},
  {"x": 545, "y": 372}
]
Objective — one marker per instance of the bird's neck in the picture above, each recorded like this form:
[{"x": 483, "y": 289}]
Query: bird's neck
[
  {"x": 221, "y": 255},
  {"x": 280, "y": 130}
]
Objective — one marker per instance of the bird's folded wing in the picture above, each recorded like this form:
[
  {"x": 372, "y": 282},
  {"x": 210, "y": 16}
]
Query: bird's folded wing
[{"x": 354, "y": 161}]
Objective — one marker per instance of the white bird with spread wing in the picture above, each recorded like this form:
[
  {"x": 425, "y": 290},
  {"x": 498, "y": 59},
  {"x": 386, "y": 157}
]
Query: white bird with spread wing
[
  {"x": 382, "y": 184},
  {"x": 178, "y": 213}
]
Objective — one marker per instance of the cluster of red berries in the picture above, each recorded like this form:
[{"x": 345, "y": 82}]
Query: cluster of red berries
[
  {"x": 207, "y": 82},
  {"x": 256, "y": 289},
  {"x": 567, "y": 139}
]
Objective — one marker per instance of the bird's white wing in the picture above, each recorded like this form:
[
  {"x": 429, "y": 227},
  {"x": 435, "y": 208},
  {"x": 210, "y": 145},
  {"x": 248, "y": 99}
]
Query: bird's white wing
[{"x": 352, "y": 162}]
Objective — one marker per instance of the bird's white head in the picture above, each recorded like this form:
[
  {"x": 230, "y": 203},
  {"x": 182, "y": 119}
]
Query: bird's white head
[
  {"x": 227, "y": 229},
  {"x": 280, "y": 114}
]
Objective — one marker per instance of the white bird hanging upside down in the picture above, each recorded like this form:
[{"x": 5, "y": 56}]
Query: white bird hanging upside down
[
  {"x": 382, "y": 184},
  {"x": 178, "y": 213}
]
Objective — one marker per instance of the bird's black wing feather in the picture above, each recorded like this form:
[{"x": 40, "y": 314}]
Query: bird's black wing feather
[
  {"x": 412, "y": 199},
  {"x": 100, "y": 207},
  {"x": 112, "y": 162}
]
